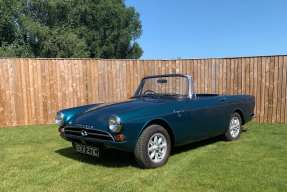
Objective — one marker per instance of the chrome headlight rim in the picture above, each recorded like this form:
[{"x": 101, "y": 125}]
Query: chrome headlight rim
[
  {"x": 59, "y": 118},
  {"x": 115, "y": 126}
]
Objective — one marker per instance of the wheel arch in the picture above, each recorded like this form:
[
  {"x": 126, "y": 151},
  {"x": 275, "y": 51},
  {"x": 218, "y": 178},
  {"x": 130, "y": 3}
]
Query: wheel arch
[
  {"x": 162, "y": 123},
  {"x": 239, "y": 111}
]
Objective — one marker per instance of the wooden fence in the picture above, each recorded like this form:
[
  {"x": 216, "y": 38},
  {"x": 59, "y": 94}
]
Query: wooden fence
[{"x": 33, "y": 90}]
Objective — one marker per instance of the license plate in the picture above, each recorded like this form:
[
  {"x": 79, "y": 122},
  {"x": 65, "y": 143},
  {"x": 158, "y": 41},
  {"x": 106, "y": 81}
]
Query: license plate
[{"x": 87, "y": 150}]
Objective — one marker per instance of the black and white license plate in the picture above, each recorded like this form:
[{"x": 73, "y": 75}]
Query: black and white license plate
[{"x": 87, "y": 150}]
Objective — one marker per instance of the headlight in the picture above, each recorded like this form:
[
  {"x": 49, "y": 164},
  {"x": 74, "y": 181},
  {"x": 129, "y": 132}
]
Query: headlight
[
  {"x": 59, "y": 118},
  {"x": 115, "y": 124}
]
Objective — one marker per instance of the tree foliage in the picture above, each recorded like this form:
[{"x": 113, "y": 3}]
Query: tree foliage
[{"x": 69, "y": 29}]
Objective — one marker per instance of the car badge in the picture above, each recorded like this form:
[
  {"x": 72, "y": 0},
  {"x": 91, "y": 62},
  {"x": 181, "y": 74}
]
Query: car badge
[{"x": 84, "y": 133}]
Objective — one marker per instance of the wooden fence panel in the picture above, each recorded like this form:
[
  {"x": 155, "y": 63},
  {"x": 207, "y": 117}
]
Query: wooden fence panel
[{"x": 33, "y": 90}]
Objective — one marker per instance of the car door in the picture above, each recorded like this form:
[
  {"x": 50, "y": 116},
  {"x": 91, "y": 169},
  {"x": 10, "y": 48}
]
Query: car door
[{"x": 206, "y": 117}]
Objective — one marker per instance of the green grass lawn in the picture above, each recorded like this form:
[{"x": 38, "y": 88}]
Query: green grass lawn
[{"x": 35, "y": 158}]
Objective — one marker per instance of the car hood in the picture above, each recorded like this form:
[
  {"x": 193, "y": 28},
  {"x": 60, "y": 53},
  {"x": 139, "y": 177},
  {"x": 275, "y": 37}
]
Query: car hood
[{"x": 98, "y": 116}]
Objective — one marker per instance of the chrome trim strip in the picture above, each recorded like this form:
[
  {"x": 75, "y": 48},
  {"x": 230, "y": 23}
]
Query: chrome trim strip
[
  {"x": 80, "y": 137},
  {"x": 73, "y": 131},
  {"x": 98, "y": 134}
]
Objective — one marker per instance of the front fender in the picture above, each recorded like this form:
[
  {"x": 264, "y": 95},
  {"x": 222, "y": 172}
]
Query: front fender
[{"x": 155, "y": 119}]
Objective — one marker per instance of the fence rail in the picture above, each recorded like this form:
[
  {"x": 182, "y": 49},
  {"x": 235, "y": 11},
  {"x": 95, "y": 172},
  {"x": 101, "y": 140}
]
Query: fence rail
[{"x": 33, "y": 90}]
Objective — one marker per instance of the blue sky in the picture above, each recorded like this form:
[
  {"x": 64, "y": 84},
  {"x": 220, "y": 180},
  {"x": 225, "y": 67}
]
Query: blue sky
[{"x": 212, "y": 28}]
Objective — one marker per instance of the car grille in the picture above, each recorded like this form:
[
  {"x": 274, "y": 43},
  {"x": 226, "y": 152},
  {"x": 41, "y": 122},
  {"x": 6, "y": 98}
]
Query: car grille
[{"x": 91, "y": 133}]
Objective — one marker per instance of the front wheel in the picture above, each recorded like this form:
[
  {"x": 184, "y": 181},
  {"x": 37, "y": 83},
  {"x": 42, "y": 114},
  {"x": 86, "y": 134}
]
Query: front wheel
[
  {"x": 234, "y": 129},
  {"x": 153, "y": 147}
]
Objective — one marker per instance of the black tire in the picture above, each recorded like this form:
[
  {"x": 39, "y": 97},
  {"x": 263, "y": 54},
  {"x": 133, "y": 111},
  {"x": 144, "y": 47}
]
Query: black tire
[
  {"x": 233, "y": 133},
  {"x": 141, "y": 152}
]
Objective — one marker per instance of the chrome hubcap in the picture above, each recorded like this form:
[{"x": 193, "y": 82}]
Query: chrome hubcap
[
  {"x": 234, "y": 127},
  {"x": 157, "y": 148}
]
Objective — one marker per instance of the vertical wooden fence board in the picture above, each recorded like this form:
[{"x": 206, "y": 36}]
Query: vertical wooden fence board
[
  {"x": 213, "y": 75},
  {"x": 271, "y": 89},
  {"x": 217, "y": 75},
  {"x": 128, "y": 79},
  {"x": 188, "y": 68},
  {"x": 56, "y": 85},
  {"x": 18, "y": 93},
  {"x": 247, "y": 76},
  {"x": 89, "y": 85},
  {"x": 280, "y": 104},
  {"x": 2, "y": 98},
  {"x": 124, "y": 80},
  {"x": 255, "y": 86},
  {"x": 202, "y": 75},
  {"x": 209, "y": 78},
  {"x": 50, "y": 87},
  {"x": 110, "y": 81},
  {"x": 6, "y": 96},
  {"x": 66, "y": 98},
  {"x": 32, "y": 92},
  {"x": 220, "y": 82},
  {"x": 243, "y": 76},
  {"x": 138, "y": 74},
  {"x": 59, "y": 93},
  {"x": 206, "y": 76},
  {"x": 7, "y": 100},
  {"x": 132, "y": 72},
  {"x": 266, "y": 93},
  {"x": 259, "y": 80},
  {"x": 52, "y": 92},
  {"x": 40, "y": 118},
  {"x": 100, "y": 74},
  {"x": 85, "y": 82},
  {"x": 96, "y": 74},
  {"x": 262, "y": 98},
  {"x": 275, "y": 91},
  {"x": 14, "y": 92},
  {"x": 105, "y": 80},
  {"x": 228, "y": 76},
  {"x": 251, "y": 73},
  {"x": 232, "y": 76},
  {"x": 239, "y": 84},
  {"x": 224, "y": 76},
  {"x": 235, "y": 84},
  {"x": 285, "y": 88},
  {"x": 142, "y": 72},
  {"x": 197, "y": 75},
  {"x": 122, "y": 66},
  {"x": 176, "y": 84}
]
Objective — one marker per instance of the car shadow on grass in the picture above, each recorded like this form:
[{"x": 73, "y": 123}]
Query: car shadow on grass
[
  {"x": 107, "y": 158},
  {"x": 115, "y": 158},
  {"x": 198, "y": 144},
  {"x": 195, "y": 145}
]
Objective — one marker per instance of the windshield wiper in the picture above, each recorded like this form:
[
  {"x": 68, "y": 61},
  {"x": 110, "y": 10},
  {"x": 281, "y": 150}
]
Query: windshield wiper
[
  {"x": 171, "y": 94},
  {"x": 147, "y": 95}
]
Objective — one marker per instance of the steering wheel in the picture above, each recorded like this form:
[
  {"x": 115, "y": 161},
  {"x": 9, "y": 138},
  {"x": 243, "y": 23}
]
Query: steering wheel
[{"x": 149, "y": 91}]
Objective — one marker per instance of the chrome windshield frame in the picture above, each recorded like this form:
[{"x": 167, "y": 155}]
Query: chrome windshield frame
[{"x": 189, "y": 78}]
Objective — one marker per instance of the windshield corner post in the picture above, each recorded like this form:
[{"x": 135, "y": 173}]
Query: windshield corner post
[{"x": 192, "y": 83}]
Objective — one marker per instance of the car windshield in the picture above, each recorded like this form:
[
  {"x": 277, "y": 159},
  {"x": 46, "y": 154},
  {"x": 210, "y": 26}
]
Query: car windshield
[{"x": 163, "y": 86}]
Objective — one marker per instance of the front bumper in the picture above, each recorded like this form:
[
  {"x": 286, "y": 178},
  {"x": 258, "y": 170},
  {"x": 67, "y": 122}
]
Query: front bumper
[{"x": 127, "y": 146}]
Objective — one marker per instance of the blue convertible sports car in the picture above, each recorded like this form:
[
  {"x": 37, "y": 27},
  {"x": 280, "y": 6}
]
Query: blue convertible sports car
[{"x": 165, "y": 111}]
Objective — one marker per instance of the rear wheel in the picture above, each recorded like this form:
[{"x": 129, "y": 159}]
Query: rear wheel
[
  {"x": 153, "y": 147},
  {"x": 235, "y": 127}
]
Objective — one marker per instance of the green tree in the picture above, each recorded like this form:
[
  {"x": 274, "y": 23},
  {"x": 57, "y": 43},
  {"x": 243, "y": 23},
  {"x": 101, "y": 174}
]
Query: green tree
[{"x": 69, "y": 28}]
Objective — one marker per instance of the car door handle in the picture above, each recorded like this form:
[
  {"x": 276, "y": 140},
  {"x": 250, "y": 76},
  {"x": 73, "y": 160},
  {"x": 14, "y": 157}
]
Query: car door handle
[{"x": 223, "y": 99}]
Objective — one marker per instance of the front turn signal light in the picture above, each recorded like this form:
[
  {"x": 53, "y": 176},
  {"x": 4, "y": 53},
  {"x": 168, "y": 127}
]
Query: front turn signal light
[
  {"x": 120, "y": 138},
  {"x": 61, "y": 130}
]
